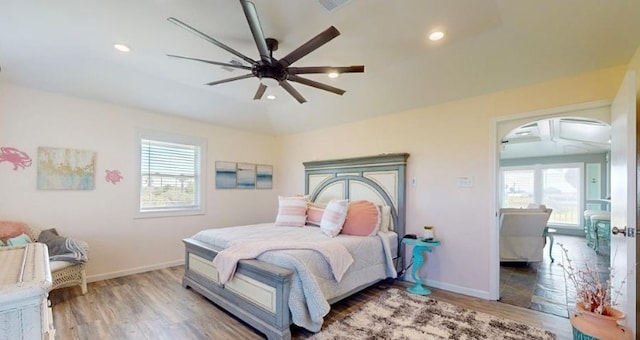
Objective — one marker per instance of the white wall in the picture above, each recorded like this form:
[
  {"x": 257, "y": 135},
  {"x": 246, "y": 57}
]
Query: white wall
[
  {"x": 446, "y": 142},
  {"x": 103, "y": 217}
]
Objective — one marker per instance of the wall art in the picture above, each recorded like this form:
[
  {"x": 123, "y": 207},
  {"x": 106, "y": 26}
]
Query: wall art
[
  {"x": 113, "y": 176},
  {"x": 226, "y": 175},
  {"x": 246, "y": 176},
  {"x": 18, "y": 158},
  {"x": 264, "y": 176},
  {"x": 66, "y": 169}
]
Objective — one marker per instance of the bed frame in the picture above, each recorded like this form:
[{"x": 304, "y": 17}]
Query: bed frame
[{"x": 259, "y": 292}]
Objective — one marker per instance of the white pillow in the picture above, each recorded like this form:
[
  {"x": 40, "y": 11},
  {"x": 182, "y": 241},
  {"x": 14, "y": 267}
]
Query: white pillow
[
  {"x": 292, "y": 211},
  {"x": 333, "y": 217},
  {"x": 385, "y": 220}
]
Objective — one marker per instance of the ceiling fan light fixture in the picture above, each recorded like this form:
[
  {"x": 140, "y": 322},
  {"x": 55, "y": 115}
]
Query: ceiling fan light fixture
[
  {"x": 271, "y": 97},
  {"x": 269, "y": 82},
  {"x": 436, "y": 35},
  {"x": 121, "y": 47},
  {"x": 333, "y": 75}
]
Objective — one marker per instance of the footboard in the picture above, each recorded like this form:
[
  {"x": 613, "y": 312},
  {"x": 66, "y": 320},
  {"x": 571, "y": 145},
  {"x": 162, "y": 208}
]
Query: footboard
[{"x": 258, "y": 293}]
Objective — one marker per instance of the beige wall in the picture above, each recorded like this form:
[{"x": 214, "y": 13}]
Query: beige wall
[
  {"x": 445, "y": 142},
  {"x": 119, "y": 243}
]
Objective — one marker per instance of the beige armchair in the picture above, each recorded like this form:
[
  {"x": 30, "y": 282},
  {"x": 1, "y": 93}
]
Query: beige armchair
[{"x": 522, "y": 234}]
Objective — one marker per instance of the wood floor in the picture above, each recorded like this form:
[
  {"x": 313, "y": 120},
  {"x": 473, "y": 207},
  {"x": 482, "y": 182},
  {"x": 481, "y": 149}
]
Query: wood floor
[{"x": 154, "y": 305}]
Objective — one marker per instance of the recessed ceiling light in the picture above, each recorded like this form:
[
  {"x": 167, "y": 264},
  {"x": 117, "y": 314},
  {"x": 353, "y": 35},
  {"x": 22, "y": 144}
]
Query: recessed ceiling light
[
  {"x": 435, "y": 36},
  {"x": 333, "y": 75},
  {"x": 121, "y": 47},
  {"x": 271, "y": 97}
]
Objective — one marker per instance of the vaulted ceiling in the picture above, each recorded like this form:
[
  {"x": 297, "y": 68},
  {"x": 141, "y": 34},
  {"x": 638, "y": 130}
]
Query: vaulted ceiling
[{"x": 66, "y": 46}]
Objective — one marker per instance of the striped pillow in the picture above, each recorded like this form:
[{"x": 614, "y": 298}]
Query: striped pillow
[
  {"x": 333, "y": 217},
  {"x": 292, "y": 211}
]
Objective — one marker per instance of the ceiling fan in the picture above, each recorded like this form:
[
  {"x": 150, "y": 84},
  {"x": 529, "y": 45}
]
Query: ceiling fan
[{"x": 269, "y": 69}]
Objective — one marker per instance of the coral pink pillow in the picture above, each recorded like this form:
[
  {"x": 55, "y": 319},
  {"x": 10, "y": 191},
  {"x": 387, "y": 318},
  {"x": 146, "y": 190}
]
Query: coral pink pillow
[
  {"x": 292, "y": 211},
  {"x": 314, "y": 215},
  {"x": 363, "y": 219},
  {"x": 10, "y": 229}
]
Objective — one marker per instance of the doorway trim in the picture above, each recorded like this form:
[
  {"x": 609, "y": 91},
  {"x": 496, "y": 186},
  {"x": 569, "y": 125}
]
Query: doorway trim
[{"x": 516, "y": 120}]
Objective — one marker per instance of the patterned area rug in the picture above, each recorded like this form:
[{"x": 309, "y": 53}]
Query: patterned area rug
[{"x": 397, "y": 314}]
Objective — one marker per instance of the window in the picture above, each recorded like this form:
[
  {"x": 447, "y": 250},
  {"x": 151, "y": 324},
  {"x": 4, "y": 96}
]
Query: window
[
  {"x": 558, "y": 186},
  {"x": 170, "y": 175}
]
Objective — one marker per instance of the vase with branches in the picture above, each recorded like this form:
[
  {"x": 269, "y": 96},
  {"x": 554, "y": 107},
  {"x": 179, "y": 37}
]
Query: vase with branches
[
  {"x": 592, "y": 290},
  {"x": 595, "y": 316}
]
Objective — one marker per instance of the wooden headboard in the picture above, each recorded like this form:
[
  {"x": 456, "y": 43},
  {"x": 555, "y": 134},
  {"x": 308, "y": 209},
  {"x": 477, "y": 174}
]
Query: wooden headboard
[{"x": 380, "y": 179}]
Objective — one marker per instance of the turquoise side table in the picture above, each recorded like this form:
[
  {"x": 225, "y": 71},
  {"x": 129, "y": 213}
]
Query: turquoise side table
[{"x": 418, "y": 260}]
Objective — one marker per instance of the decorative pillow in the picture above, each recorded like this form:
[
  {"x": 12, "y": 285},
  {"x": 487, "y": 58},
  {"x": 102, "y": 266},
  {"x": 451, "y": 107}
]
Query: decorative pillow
[
  {"x": 54, "y": 242},
  {"x": 314, "y": 215},
  {"x": 363, "y": 219},
  {"x": 11, "y": 229},
  {"x": 19, "y": 240},
  {"x": 333, "y": 218},
  {"x": 292, "y": 211},
  {"x": 385, "y": 218}
]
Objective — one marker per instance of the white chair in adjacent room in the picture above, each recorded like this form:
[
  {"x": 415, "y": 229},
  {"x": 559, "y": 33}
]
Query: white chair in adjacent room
[{"x": 522, "y": 234}]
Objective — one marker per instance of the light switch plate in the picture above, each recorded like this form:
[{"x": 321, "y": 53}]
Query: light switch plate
[{"x": 464, "y": 182}]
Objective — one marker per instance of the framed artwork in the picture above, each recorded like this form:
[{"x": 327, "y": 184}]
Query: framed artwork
[
  {"x": 264, "y": 176},
  {"x": 226, "y": 175},
  {"x": 66, "y": 169},
  {"x": 246, "y": 176}
]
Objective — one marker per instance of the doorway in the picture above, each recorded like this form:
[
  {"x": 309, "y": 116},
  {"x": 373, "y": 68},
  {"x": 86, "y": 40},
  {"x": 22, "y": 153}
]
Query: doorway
[{"x": 558, "y": 158}]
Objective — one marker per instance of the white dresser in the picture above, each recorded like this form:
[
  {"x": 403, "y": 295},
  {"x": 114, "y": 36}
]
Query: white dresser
[{"x": 25, "y": 281}]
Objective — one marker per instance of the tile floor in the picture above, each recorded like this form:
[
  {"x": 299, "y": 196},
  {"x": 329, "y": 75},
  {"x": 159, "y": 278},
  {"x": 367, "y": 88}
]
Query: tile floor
[{"x": 543, "y": 286}]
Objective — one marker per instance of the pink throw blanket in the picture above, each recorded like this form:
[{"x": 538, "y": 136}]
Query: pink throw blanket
[{"x": 336, "y": 255}]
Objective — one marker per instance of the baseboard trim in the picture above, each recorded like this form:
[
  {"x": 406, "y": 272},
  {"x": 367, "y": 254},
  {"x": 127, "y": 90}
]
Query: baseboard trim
[
  {"x": 131, "y": 271},
  {"x": 485, "y": 295}
]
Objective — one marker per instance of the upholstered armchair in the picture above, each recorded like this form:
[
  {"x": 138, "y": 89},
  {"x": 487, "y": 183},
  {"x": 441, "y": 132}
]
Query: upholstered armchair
[{"x": 522, "y": 234}]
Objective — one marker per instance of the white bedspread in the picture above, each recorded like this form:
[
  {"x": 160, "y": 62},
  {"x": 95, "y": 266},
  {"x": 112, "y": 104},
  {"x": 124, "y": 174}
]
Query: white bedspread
[{"x": 313, "y": 283}]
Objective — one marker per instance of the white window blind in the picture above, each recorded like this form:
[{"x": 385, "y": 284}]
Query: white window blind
[{"x": 169, "y": 176}]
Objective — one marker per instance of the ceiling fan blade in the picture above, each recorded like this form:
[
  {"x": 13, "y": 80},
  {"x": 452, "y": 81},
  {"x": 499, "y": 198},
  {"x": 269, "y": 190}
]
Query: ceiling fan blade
[
  {"x": 285, "y": 85},
  {"x": 315, "y": 84},
  {"x": 326, "y": 69},
  {"x": 211, "y": 40},
  {"x": 260, "y": 91},
  {"x": 309, "y": 46},
  {"x": 230, "y": 79},
  {"x": 211, "y": 62},
  {"x": 256, "y": 29}
]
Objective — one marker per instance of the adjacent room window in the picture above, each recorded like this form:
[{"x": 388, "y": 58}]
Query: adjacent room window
[
  {"x": 170, "y": 175},
  {"x": 558, "y": 186}
]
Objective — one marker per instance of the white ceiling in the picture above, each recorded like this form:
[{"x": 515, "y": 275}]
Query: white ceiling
[
  {"x": 65, "y": 46},
  {"x": 556, "y": 137}
]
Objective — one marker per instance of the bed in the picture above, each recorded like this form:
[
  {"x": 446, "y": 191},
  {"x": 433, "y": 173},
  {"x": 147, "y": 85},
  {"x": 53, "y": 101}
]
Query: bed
[{"x": 272, "y": 291}]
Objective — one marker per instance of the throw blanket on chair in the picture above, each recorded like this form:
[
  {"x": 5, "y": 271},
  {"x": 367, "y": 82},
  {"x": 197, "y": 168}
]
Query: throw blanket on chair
[
  {"x": 64, "y": 248},
  {"x": 336, "y": 255},
  {"x": 75, "y": 252}
]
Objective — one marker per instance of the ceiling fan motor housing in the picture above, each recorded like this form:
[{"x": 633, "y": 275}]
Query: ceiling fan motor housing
[{"x": 270, "y": 71}]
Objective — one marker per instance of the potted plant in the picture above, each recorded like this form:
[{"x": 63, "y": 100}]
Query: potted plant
[{"x": 595, "y": 316}]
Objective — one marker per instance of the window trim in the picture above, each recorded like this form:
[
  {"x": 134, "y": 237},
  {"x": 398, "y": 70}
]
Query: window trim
[{"x": 200, "y": 181}]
